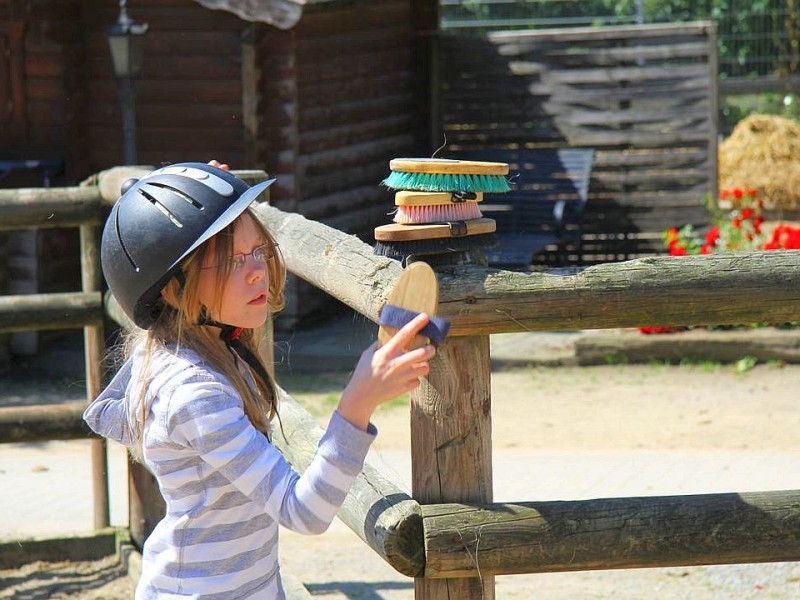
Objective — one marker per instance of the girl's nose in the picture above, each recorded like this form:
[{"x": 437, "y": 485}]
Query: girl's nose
[{"x": 256, "y": 270}]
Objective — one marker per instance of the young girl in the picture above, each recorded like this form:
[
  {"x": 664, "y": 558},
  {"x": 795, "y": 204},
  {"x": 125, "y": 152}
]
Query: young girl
[{"x": 199, "y": 274}]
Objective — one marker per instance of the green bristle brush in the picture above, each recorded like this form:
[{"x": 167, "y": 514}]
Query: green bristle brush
[{"x": 443, "y": 174}]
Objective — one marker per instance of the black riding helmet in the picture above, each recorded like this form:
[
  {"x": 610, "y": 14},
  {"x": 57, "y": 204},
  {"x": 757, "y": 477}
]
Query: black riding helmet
[{"x": 158, "y": 221}]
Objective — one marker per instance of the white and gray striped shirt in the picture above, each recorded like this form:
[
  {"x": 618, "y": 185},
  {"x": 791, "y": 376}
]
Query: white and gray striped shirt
[{"x": 225, "y": 485}]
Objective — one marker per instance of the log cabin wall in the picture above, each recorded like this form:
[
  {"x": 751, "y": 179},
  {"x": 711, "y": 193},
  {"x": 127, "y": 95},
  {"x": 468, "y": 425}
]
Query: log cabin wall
[
  {"x": 323, "y": 106},
  {"x": 189, "y": 92},
  {"x": 40, "y": 102},
  {"x": 644, "y": 97},
  {"x": 343, "y": 93}
]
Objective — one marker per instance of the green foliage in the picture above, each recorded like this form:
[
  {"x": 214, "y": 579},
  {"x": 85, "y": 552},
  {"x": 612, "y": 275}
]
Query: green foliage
[
  {"x": 745, "y": 364},
  {"x": 735, "y": 108}
]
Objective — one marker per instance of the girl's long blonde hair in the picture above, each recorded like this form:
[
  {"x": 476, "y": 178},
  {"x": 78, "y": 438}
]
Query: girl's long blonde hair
[{"x": 179, "y": 319}]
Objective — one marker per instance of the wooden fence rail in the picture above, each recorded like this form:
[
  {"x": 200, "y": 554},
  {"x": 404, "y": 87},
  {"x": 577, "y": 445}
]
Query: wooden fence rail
[
  {"x": 692, "y": 290},
  {"x": 611, "y": 533},
  {"x": 68, "y": 310},
  {"x": 50, "y": 207}
]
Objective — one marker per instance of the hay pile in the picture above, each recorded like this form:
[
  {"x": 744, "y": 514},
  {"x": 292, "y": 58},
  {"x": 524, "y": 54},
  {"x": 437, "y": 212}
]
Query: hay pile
[{"x": 763, "y": 152}]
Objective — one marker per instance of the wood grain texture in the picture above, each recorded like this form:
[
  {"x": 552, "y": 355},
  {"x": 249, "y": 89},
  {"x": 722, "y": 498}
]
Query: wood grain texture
[{"x": 416, "y": 290}]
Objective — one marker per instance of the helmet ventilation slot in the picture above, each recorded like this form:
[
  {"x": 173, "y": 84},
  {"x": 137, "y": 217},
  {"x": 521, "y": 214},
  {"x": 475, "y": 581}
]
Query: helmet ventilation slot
[
  {"x": 122, "y": 243},
  {"x": 154, "y": 201},
  {"x": 179, "y": 193}
]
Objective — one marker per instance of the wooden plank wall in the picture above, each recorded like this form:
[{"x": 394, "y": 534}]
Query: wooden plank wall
[
  {"x": 341, "y": 95},
  {"x": 189, "y": 93},
  {"x": 644, "y": 97},
  {"x": 41, "y": 98},
  {"x": 324, "y": 106}
]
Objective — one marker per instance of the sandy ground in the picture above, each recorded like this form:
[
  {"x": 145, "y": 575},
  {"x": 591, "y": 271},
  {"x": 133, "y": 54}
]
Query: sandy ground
[{"x": 628, "y": 411}]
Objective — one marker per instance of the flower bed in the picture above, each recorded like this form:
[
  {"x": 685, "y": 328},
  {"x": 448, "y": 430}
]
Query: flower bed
[{"x": 741, "y": 228}]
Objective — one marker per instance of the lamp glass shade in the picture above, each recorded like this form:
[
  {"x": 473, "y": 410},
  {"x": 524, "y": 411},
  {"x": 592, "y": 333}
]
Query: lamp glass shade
[{"x": 126, "y": 53}]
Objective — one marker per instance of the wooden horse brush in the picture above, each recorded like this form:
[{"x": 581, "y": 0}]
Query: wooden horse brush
[
  {"x": 414, "y": 208},
  {"x": 444, "y": 175},
  {"x": 416, "y": 291}
]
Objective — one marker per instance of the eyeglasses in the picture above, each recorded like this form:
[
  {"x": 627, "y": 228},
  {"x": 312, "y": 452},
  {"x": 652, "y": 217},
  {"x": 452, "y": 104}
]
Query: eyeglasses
[{"x": 261, "y": 254}]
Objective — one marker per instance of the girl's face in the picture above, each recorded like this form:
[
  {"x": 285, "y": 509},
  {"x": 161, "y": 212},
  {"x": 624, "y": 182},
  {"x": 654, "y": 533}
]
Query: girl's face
[{"x": 245, "y": 296}]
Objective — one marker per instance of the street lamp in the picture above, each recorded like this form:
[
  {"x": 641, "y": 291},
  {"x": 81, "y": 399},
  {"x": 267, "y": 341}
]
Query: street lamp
[{"x": 125, "y": 43}]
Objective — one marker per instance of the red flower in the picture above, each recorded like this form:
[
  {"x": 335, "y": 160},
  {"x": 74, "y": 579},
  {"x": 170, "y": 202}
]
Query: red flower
[
  {"x": 649, "y": 330},
  {"x": 677, "y": 250},
  {"x": 738, "y": 193},
  {"x": 672, "y": 235},
  {"x": 752, "y": 192},
  {"x": 725, "y": 194},
  {"x": 747, "y": 213},
  {"x": 784, "y": 237},
  {"x": 712, "y": 236}
]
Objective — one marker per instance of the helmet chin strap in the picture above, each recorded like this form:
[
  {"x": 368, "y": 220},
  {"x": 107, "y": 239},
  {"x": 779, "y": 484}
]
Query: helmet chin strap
[{"x": 230, "y": 336}]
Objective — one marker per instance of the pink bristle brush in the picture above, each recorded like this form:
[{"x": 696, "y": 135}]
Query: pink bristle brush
[{"x": 414, "y": 208}]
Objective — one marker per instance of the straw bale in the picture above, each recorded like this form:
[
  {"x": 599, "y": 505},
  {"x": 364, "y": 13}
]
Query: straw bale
[{"x": 763, "y": 153}]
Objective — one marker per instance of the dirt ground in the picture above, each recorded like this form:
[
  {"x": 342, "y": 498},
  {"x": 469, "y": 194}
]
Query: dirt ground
[{"x": 696, "y": 408}]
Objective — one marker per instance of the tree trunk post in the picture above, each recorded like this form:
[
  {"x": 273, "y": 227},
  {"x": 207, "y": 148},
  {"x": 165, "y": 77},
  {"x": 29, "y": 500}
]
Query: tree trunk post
[
  {"x": 94, "y": 348},
  {"x": 451, "y": 443}
]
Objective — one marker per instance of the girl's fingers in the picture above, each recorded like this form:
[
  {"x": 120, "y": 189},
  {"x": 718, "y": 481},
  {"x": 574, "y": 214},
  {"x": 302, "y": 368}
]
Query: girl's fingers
[
  {"x": 219, "y": 165},
  {"x": 405, "y": 334}
]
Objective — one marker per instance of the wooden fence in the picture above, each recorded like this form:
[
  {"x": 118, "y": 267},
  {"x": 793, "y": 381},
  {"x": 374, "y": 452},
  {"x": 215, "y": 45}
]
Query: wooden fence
[
  {"x": 644, "y": 97},
  {"x": 434, "y": 534}
]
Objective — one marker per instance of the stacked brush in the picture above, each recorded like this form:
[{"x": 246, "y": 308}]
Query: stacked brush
[{"x": 437, "y": 206}]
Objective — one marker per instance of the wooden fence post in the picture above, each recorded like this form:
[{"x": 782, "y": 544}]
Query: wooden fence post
[
  {"x": 451, "y": 441},
  {"x": 451, "y": 448},
  {"x": 94, "y": 348}
]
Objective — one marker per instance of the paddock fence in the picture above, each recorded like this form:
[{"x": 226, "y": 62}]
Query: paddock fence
[{"x": 448, "y": 533}]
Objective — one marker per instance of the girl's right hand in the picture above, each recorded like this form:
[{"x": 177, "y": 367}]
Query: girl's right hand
[{"x": 385, "y": 373}]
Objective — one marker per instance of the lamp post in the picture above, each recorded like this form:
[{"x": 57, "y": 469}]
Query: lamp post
[{"x": 125, "y": 43}]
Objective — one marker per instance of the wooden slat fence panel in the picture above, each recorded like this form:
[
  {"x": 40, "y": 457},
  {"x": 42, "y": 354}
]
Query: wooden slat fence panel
[{"x": 644, "y": 97}]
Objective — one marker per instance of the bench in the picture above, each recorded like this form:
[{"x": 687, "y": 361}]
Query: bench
[
  {"x": 545, "y": 207},
  {"x": 49, "y": 168}
]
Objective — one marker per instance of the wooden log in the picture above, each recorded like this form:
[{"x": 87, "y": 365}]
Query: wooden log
[
  {"x": 451, "y": 446},
  {"x": 386, "y": 518},
  {"x": 49, "y": 207},
  {"x": 146, "y": 506},
  {"x": 690, "y": 290},
  {"x": 108, "y": 182},
  {"x": 43, "y": 422},
  {"x": 337, "y": 263},
  {"x": 661, "y": 290},
  {"x": 94, "y": 350},
  {"x": 68, "y": 310},
  {"x": 611, "y": 533}
]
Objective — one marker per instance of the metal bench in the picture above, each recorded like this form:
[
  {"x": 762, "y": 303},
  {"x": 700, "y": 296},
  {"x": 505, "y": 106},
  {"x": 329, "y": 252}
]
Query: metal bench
[{"x": 545, "y": 207}]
